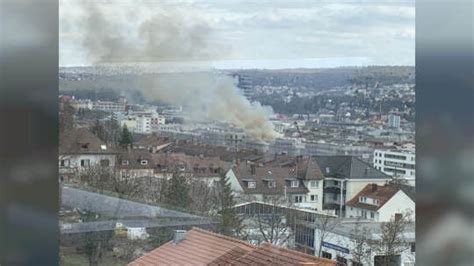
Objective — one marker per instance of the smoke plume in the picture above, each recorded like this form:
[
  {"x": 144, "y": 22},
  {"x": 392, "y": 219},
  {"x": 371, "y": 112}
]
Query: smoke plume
[{"x": 171, "y": 35}]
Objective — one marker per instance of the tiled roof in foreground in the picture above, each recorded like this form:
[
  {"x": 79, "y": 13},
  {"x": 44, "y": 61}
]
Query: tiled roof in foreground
[{"x": 201, "y": 247}]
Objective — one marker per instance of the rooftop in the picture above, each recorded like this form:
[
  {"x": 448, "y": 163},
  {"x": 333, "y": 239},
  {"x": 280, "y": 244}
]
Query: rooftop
[
  {"x": 381, "y": 193},
  {"x": 201, "y": 247}
]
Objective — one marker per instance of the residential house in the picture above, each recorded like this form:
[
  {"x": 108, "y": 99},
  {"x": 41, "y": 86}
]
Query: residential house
[
  {"x": 80, "y": 149},
  {"x": 344, "y": 177},
  {"x": 297, "y": 180},
  {"x": 201, "y": 247},
  {"x": 133, "y": 163},
  {"x": 381, "y": 203},
  {"x": 207, "y": 169}
]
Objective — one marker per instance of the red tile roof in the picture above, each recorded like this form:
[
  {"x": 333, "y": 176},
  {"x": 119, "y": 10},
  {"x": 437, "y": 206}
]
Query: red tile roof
[
  {"x": 381, "y": 193},
  {"x": 201, "y": 247}
]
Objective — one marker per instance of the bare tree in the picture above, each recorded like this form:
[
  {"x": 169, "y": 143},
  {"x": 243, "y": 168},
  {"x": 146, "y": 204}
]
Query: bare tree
[
  {"x": 272, "y": 221},
  {"x": 324, "y": 224},
  {"x": 392, "y": 240},
  {"x": 361, "y": 237}
]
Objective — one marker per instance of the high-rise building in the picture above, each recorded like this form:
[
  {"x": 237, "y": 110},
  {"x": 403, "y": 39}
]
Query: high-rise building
[
  {"x": 245, "y": 85},
  {"x": 398, "y": 163},
  {"x": 393, "y": 121}
]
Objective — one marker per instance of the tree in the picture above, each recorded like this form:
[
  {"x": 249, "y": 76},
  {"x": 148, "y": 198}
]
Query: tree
[
  {"x": 230, "y": 222},
  {"x": 177, "y": 191},
  {"x": 126, "y": 138},
  {"x": 392, "y": 241},
  {"x": 324, "y": 224},
  {"x": 95, "y": 242},
  {"x": 271, "y": 222},
  {"x": 361, "y": 237}
]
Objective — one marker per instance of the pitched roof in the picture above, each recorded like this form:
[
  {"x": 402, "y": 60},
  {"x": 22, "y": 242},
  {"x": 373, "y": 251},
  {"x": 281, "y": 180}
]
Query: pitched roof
[
  {"x": 349, "y": 167},
  {"x": 82, "y": 141},
  {"x": 264, "y": 174},
  {"x": 381, "y": 193},
  {"x": 201, "y": 247},
  {"x": 134, "y": 158},
  {"x": 199, "y": 166}
]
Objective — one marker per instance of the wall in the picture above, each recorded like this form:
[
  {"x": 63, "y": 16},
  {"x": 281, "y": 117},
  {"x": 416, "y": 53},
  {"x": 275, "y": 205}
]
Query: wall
[{"x": 399, "y": 203}]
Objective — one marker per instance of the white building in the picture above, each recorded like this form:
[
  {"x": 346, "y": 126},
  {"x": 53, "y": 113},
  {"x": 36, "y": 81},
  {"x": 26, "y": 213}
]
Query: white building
[
  {"x": 344, "y": 177},
  {"x": 108, "y": 106},
  {"x": 397, "y": 163},
  {"x": 143, "y": 124},
  {"x": 381, "y": 203},
  {"x": 393, "y": 121},
  {"x": 339, "y": 244},
  {"x": 298, "y": 181},
  {"x": 79, "y": 150}
]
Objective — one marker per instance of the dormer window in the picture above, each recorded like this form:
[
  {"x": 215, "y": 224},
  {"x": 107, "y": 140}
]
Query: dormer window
[
  {"x": 327, "y": 170},
  {"x": 125, "y": 162},
  {"x": 271, "y": 184},
  {"x": 295, "y": 183},
  {"x": 103, "y": 147},
  {"x": 84, "y": 146},
  {"x": 144, "y": 162},
  {"x": 362, "y": 199},
  {"x": 252, "y": 184}
]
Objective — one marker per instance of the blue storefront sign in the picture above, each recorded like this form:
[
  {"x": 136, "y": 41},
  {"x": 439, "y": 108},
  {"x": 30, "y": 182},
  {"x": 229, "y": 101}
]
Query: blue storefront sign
[{"x": 335, "y": 247}]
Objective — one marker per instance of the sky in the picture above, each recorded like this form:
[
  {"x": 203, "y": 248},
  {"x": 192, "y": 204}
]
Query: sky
[{"x": 239, "y": 34}]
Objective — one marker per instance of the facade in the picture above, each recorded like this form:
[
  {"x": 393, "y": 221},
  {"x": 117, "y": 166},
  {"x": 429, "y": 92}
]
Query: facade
[
  {"x": 108, "y": 106},
  {"x": 79, "y": 150},
  {"x": 134, "y": 163},
  {"x": 339, "y": 244},
  {"x": 381, "y": 203},
  {"x": 397, "y": 163},
  {"x": 394, "y": 121},
  {"x": 296, "y": 181},
  {"x": 344, "y": 177}
]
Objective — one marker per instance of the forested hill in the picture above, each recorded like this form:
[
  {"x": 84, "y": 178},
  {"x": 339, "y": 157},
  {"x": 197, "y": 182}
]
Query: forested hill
[{"x": 331, "y": 77}]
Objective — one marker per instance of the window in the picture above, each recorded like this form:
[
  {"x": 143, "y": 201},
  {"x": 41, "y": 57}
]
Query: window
[
  {"x": 104, "y": 162},
  {"x": 144, "y": 162},
  {"x": 124, "y": 162},
  {"x": 412, "y": 246},
  {"x": 354, "y": 263},
  {"x": 295, "y": 183},
  {"x": 341, "y": 261},
  {"x": 314, "y": 184},
  {"x": 64, "y": 163},
  {"x": 271, "y": 184},
  {"x": 85, "y": 162},
  {"x": 298, "y": 199},
  {"x": 84, "y": 146},
  {"x": 326, "y": 255},
  {"x": 372, "y": 215},
  {"x": 251, "y": 184},
  {"x": 327, "y": 170},
  {"x": 314, "y": 197}
]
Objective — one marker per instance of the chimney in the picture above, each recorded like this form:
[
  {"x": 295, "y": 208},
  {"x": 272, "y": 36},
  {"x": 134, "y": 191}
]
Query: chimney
[
  {"x": 253, "y": 169},
  {"x": 398, "y": 217},
  {"x": 179, "y": 235},
  {"x": 374, "y": 187}
]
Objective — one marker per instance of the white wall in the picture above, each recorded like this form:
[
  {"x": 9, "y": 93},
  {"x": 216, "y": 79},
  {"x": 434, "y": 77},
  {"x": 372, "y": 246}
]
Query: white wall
[
  {"x": 317, "y": 191},
  {"x": 234, "y": 182},
  {"x": 399, "y": 203}
]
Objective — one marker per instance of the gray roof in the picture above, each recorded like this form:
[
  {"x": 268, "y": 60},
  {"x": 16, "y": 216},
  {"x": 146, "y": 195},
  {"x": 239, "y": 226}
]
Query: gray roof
[{"x": 349, "y": 167}]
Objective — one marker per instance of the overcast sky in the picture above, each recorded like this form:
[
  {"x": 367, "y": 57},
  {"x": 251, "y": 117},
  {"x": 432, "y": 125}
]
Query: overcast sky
[{"x": 254, "y": 34}]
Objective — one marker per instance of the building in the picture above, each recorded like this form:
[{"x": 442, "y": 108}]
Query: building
[
  {"x": 296, "y": 180},
  {"x": 108, "y": 106},
  {"x": 394, "y": 121},
  {"x": 339, "y": 244},
  {"x": 134, "y": 163},
  {"x": 396, "y": 163},
  {"x": 201, "y": 247},
  {"x": 344, "y": 177},
  {"x": 381, "y": 203},
  {"x": 206, "y": 169},
  {"x": 80, "y": 149},
  {"x": 244, "y": 83}
]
